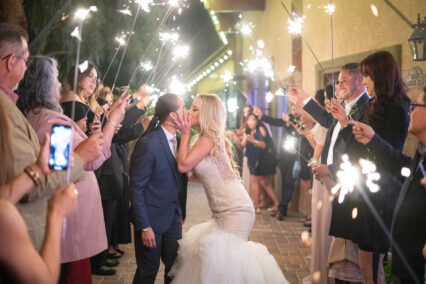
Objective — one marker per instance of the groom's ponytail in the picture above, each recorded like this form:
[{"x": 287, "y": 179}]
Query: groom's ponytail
[{"x": 166, "y": 104}]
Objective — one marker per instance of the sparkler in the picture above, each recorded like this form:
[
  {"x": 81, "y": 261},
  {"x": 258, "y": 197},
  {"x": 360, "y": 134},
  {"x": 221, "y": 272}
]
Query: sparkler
[
  {"x": 291, "y": 68},
  {"x": 147, "y": 65},
  {"x": 83, "y": 66},
  {"x": 180, "y": 51},
  {"x": 269, "y": 97},
  {"x": 176, "y": 86},
  {"x": 125, "y": 12},
  {"x": 169, "y": 37},
  {"x": 374, "y": 10},
  {"x": 330, "y": 8},
  {"x": 295, "y": 24},
  {"x": 120, "y": 40},
  {"x": 405, "y": 172},
  {"x": 348, "y": 177},
  {"x": 280, "y": 92},
  {"x": 227, "y": 76},
  {"x": 246, "y": 28},
  {"x": 232, "y": 104},
  {"x": 144, "y": 4}
]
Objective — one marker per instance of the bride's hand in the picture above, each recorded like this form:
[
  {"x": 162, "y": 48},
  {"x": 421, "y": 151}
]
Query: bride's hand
[{"x": 182, "y": 120}]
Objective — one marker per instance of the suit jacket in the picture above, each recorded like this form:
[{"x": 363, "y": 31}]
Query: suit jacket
[
  {"x": 157, "y": 189},
  {"x": 26, "y": 147},
  {"x": 408, "y": 222},
  {"x": 113, "y": 172}
]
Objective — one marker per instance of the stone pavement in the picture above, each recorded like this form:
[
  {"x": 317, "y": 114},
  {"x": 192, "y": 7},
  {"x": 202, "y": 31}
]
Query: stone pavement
[{"x": 283, "y": 239}]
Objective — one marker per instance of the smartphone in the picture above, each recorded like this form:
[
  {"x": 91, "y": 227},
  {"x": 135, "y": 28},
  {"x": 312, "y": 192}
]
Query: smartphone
[
  {"x": 60, "y": 147},
  {"x": 124, "y": 89}
]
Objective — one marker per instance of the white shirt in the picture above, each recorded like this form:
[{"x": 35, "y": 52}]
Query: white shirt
[
  {"x": 170, "y": 138},
  {"x": 337, "y": 128}
]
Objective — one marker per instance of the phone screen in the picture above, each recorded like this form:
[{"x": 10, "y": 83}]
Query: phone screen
[{"x": 60, "y": 147}]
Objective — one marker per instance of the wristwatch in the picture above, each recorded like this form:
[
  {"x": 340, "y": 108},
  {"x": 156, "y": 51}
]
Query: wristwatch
[{"x": 145, "y": 229}]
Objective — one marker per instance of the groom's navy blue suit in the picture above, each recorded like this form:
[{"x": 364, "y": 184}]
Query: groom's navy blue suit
[{"x": 158, "y": 197}]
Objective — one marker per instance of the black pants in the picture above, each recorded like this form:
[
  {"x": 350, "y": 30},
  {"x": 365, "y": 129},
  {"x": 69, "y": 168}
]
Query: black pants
[
  {"x": 287, "y": 183},
  {"x": 148, "y": 259},
  {"x": 109, "y": 208}
]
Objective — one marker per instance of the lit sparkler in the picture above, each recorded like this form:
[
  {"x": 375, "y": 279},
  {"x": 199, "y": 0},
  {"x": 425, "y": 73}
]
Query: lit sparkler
[
  {"x": 295, "y": 24},
  {"x": 262, "y": 65},
  {"x": 348, "y": 176},
  {"x": 82, "y": 14},
  {"x": 83, "y": 66},
  {"x": 227, "y": 76},
  {"x": 269, "y": 97},
  {"x": 291, "y": 68},
  {"x": 374, "y": 10},
  {"x": 330, "y": 8},
  {"x": 368, "y": 168},
  {"x": 169, "y": 37},
  {"x": 180, "y": 51},
  {"x": 232, "y": 104},
  {"x": 121, "y": 40},
  {"x": 280, "y": 92},
  {"x": 125, "y": 12},
  {"x": 76, "y": 33},
  {"x": 246, "y": 28},
  {"x": 144, "y": 4},
  {"x": 177, "y": 87},
  {"x": 146, "y": 65}
]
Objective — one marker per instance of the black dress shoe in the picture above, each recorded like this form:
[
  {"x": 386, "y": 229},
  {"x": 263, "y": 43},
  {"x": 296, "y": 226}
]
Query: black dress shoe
[
  {"x": 280, "y": 216},
  {"x": 115, "y": 255},
  {"x": 112, "y": 262},
  {"x": 103, "y": 271}
]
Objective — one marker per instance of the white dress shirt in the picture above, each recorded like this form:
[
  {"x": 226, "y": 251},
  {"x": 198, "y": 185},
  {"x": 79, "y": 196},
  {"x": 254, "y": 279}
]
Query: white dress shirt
[
  {"x": 337, "y": 129},
  {"x": 171, "y": 139}
]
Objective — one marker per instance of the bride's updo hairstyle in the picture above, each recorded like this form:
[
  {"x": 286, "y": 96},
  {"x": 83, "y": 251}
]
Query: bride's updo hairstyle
[
  {"x": 212, "y": 119},
  {"x": 166, "y": 104}
]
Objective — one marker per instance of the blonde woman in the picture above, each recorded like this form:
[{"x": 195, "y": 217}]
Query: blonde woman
[{"x": 218, "y": 251}]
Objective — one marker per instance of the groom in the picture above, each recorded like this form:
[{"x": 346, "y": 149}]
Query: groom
[{"x": 158, "y": 193}]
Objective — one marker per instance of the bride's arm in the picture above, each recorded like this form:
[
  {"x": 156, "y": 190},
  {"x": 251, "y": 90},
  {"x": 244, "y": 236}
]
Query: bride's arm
[{"x": 189, "y": 159}]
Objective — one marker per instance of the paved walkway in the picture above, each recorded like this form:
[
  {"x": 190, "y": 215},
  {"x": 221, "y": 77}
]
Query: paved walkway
[{"x": 283, "y": 239}]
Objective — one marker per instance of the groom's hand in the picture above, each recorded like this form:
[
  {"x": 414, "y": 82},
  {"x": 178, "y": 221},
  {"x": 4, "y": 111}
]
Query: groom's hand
[{"x": 148, "y": 238}]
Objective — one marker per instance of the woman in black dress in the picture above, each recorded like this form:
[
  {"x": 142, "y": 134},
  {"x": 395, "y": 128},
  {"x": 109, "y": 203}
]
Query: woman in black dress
[
  {"x": 261, "y": 160},
  {"x": 387, "y": 113}
]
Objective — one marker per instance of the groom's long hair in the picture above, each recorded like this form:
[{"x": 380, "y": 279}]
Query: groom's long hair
[{"x": 166, "y": 104}]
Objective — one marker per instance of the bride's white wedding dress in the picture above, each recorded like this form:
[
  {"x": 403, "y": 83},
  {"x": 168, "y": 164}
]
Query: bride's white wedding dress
[{"x": 218, "y": 251}]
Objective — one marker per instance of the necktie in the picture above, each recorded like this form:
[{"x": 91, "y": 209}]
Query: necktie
[{"x": 173, "y": 141}]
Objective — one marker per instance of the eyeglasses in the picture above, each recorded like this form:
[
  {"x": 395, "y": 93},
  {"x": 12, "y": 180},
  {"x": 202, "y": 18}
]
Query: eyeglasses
[
  {"x": 342, "y": 82},
  {"x": 93, "y": 78},
  {"x": 19, "y": 57},
  {"x": 414, "y": 106}
]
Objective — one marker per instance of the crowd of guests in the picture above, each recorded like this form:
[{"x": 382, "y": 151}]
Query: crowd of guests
[
  {"x": 90, "y": 206},
  {"x": 365, "y": 114}
]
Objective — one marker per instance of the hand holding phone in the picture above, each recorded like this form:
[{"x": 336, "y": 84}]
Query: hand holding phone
[{"x": 60, "y": 147}]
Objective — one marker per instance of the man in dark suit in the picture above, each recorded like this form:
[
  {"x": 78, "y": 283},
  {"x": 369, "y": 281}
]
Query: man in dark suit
[
  {"x": 158, "y": 193},
  {"x": 339, "y": 140},
  {"x": 408, "y": 222}
]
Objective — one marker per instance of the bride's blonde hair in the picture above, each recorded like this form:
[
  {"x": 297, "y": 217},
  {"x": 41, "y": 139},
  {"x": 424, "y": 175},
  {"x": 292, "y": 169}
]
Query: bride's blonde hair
[{"x": 212, "y": 119}]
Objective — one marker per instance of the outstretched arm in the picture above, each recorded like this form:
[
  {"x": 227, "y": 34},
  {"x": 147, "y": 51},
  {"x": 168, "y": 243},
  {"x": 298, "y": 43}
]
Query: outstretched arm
[
  {"x": 25, "y": 264},
  {"x": 189, "y": 159}
]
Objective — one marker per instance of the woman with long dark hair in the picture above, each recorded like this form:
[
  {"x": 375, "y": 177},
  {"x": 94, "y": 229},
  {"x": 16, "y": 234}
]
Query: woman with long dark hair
[{"x": 387, "y": 113}]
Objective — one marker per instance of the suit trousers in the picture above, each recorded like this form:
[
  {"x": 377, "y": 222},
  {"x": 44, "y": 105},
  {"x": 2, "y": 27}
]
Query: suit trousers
[
  {"x": 148, "y": 259},
  {"x": 109, "y": 207},
  {"x": 287, "y": 184}
]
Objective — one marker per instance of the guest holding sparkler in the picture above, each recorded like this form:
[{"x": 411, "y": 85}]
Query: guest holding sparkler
[
  {"x": 39, "y": 101},
  {"x": 408, "y": 230},
  {"x": 260, "y": 154}
]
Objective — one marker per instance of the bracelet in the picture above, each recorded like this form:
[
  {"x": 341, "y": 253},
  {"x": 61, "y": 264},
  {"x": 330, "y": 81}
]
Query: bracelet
[
  {"x": 255, "y": 142},
  {"x": 33, "y": 175}
]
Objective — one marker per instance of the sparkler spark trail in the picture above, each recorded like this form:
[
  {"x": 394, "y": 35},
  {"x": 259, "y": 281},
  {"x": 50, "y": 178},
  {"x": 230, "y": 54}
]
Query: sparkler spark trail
[
  {"x": 348, "y": 176},
  {"x": 147, "y": 65},
  {"x": 83, "y": 66},
  {"x": 125, "y": 12}
]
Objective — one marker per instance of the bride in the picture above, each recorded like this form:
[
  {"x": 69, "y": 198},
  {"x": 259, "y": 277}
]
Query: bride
[{"x": 218, "y": 251}]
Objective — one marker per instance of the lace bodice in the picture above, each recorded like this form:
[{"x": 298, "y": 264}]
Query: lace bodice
[{"x": 223, "y": 187}]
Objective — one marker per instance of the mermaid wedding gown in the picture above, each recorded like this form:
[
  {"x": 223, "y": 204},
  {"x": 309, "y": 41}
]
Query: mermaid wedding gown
[{"x": 218, "y": 251}]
